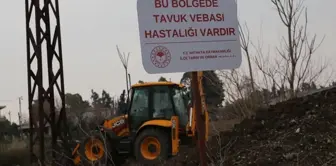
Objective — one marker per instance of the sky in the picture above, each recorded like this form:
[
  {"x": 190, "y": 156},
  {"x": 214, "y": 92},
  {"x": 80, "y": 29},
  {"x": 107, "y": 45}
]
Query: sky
[{"x": 92, "y": 29}]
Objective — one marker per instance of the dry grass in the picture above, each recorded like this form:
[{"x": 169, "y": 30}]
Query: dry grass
[
  {"x": 13, "y": 145},
  {"x": 222, "y": 125},
  {"x": 15, "y": 153}
]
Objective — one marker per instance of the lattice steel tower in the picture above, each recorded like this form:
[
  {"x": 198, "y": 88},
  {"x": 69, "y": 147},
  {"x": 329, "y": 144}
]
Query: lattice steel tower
[{"x": 44, "y": 43}]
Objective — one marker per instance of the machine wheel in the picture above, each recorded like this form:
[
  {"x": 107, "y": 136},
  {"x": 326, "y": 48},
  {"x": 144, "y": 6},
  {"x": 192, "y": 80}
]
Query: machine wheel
[
  {"x": 95, "y": 151},
  {"x": 152, "y": 146}
]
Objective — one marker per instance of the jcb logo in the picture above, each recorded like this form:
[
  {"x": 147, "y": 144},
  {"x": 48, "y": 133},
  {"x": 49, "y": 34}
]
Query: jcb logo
[{"x": 118, "y": 123}]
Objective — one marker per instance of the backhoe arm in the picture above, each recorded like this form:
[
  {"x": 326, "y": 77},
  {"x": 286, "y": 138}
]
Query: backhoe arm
[
  {"x": 191, "y": 127},
  {"x": 204, "y": 106}
]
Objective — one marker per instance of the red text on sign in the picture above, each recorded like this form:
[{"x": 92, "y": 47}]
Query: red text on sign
[
  {"x": 207, "y": 52},
  {"x": 217, "y": 31},
  {"x": 170, "y": 33},
  {"x": 194, "y": 3},
  {"x": 178, "y": 18},
  {"x": 166, "y": 18},
  {"x": 205, "y": 57},
  {"x": 207, "y": 17},
  {"x": 196, "y": 57},
  {"x": 180, "y": 33},
  {"x": 185, "y": 3}
]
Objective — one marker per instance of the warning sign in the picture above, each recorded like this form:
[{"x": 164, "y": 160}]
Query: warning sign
[{"x": 188, "y": 35}]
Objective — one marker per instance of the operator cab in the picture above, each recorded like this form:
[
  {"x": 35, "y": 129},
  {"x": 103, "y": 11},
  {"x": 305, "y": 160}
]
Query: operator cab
[{"x": 158, "y": 100}]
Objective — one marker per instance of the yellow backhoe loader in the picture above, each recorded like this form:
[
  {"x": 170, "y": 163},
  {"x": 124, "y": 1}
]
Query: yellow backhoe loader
[{"x": 156, "y": 122}]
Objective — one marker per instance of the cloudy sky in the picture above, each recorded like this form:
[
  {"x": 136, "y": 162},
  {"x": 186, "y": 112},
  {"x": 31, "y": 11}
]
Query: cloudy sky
[{"x": 92, "y": 29}]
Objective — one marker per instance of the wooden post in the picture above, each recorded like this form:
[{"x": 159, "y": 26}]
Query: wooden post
[{"x": 200, "y": 124}]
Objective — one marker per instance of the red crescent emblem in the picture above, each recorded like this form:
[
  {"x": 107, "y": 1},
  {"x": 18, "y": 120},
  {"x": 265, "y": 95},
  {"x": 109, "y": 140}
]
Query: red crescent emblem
[{"x": 160, "y": 56}]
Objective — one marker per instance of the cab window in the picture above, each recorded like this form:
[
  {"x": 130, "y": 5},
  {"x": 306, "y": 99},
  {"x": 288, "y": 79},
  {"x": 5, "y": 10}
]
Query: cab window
[
  {"x": 139, "y": 111},
  {"x": 180, "y": 106},
  {"x": 140, "y": 102},
  {"x": 162, "y": 104}
]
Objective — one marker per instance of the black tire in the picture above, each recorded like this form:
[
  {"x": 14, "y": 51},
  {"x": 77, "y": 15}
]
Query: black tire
[
  {"x": 105, "y": 160},
  {"x": 163, "y": 139}
]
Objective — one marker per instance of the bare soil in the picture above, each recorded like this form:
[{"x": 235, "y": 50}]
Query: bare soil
[{"x": 301, "y": 131}]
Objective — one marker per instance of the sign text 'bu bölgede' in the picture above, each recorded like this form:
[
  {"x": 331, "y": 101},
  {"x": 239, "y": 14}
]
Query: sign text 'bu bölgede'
[{"x": 188, "y": 35}]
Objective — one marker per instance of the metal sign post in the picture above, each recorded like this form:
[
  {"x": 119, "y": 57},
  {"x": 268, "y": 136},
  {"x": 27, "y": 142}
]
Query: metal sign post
[{"x": 200, "y": 124}]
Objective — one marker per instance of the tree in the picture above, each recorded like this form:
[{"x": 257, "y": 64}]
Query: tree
[
  {"x": 297, "y": 52},
  {"x": 124, "y": 60},
  {"x": 76, "y": 106},
  {"x": 212, "y": 85},
  {"x": 246, "y": 86},
  {"x": 8, "y": 128},
  {"x": 141, "y": 82},
  {"x": 103, "y": 101},
  {"x": 95, "y": 99},
  {"x": 245, "y": 43},
  {"x": 306, "y": 87},
  {"x": 213, "y": 88},
  {"x": 106, "y": 100},
  {"x": 162, "y": 79},
  {"x": 313, "y": 86},
  {"x": 122, "y": 102},
  {"x": 333, "y": 83},
  {"x": 76, "y": 102},
  {"x": 35, "y": 111}
]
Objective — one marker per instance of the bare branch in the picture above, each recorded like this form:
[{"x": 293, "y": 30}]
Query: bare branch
[
  {"x": 245, "y": 40},
  {"x": 298, "y": 49}
]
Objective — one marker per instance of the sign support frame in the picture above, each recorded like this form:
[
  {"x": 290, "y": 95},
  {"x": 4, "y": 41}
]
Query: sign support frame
[{"x": 200, "y": 124}]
